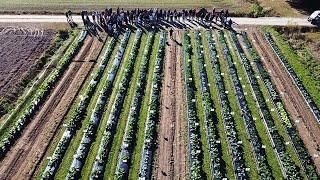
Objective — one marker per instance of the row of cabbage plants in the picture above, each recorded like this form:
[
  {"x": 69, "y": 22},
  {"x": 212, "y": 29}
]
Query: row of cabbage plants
[
  {"x": 153, "y": 112},
  {"x": 210, "y": 118},
  {"x": 312, "y": 105},
  {"x": 290, "y": 170},
  {"x": 194, "y": 145},
  {"x": 98, "y": 167},
  {"x": 43, "y": 92},
  {"x": 263, "y": 108},
  {"x": 90, "y": 130},
  {"x": 263, "y": 167},
  {"x": 77, "y": 115},
  {"x": 304, "y": 157},
  {"x": 235, "y": 146},
  {"x": 133, "y": 117}
]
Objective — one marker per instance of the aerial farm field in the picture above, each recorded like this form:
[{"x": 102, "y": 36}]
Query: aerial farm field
[{"x": 184, "y": 99}]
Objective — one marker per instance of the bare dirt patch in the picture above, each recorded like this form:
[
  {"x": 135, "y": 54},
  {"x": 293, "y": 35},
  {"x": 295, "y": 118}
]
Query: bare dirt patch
[
  {"x": 171, "y": 160},
  {"x": 19, "y": 50}
]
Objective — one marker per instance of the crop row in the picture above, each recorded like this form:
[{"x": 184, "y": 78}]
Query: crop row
[
  {"x": 298, "y": 144},
  {"x": 107, "y": 137},
  {"x": 234, "y": 144},
  {"x": 89, "y": 132},
  {"x": 264, "y": 169},
  {"x": 289, "y": 168},
  {"x": 132, "y": 120},
  {"x": 194, "y": 146},
  {"x": 77, "y": 115},
  {"x": 43, "y": 92},
  {"x": 312, "y": 105},
  {"x": 153, "y": 112},
  {"x": 265, "y": 113},
  {"x": 214, "y": 146}
]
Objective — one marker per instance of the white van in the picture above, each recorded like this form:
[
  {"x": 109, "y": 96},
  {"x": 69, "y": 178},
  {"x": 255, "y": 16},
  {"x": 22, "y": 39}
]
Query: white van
[{"x": 314, "y": 18}]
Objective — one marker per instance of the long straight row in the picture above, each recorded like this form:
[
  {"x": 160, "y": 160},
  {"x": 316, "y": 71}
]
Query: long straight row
[
  {"x": 13, "y": 132},
  {"x": 298, "y": 144},
  {"x": 153, "y": 112},
  {"x": 289, "y": 167},
  {"x": 210, "y": 118},
  {"x": 234, "y": 144},
  {"x": 264, "y": 169},
  {"x": 132, "y": 120},
  {"x": 100, "y": 89},
  {"x": 262, "y": 105},
  {"x": 107, "y": 137},
  {"x": 194, "y": 145},
  {"x": 77, "y": 115},
  {"x": 90, "y": 130},
  {"x": 308, "y": 99}
]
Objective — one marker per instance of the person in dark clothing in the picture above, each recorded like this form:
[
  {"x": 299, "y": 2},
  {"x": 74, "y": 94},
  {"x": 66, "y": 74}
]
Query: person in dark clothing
[
  {"x": 171, "y": 33},
  {"x": 230, "y": 22},
  {"x": 226, "y": 14},
  {"x": 70, "y": 20},
  {"x": 67, "y": 15}
]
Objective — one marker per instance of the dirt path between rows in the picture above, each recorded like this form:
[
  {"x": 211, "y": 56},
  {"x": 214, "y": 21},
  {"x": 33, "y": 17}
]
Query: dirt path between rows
[
  {"x": 171, "y": 160},
  {"x": 301, "y": 115},
  {"x": 22, "y": 160},
  {"x": 179, "y": 144}
]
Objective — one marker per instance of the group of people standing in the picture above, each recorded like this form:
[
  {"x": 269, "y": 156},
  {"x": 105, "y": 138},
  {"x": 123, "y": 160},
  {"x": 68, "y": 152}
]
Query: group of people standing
[{"x": 112, "y": 20}]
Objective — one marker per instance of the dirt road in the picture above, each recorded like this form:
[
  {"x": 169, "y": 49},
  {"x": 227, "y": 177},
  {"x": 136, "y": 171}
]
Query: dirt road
[
  {"x": 24, "y": 157},
  {"x": 280, "y": 21},
  {"x": 171, "y": 160},
  {"x": 301, "y": 115}
]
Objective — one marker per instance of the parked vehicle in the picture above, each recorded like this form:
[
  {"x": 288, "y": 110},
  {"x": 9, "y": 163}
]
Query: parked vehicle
[{"x": 314, "y": 18}]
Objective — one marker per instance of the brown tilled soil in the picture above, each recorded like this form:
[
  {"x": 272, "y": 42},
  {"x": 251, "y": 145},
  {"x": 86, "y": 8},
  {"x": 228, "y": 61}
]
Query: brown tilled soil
[
  {"x": 24, "y": 157},
  {"x": 19, "y": 50},
  {"x": 171, "y": 156},
  {"x": 299, "y": 111}
]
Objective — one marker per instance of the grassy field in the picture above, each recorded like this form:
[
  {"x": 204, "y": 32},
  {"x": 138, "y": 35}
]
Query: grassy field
[
  {"x": 60, "y": 6},
  {"x": 240, "y": 7},
  {"x": 280, "y": 8}
]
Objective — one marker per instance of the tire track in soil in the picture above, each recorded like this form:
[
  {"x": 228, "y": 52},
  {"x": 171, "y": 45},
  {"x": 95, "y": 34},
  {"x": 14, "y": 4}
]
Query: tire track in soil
[
  {"x": 34, "y": 141},
  {"x": 170, "y": 161},
  {"x": 300, "y": 113}
]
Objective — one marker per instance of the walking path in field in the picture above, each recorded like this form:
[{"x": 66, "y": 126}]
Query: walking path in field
[
  {"x": 280, "y": 21},
  {"x": 171, "y": 150}
]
